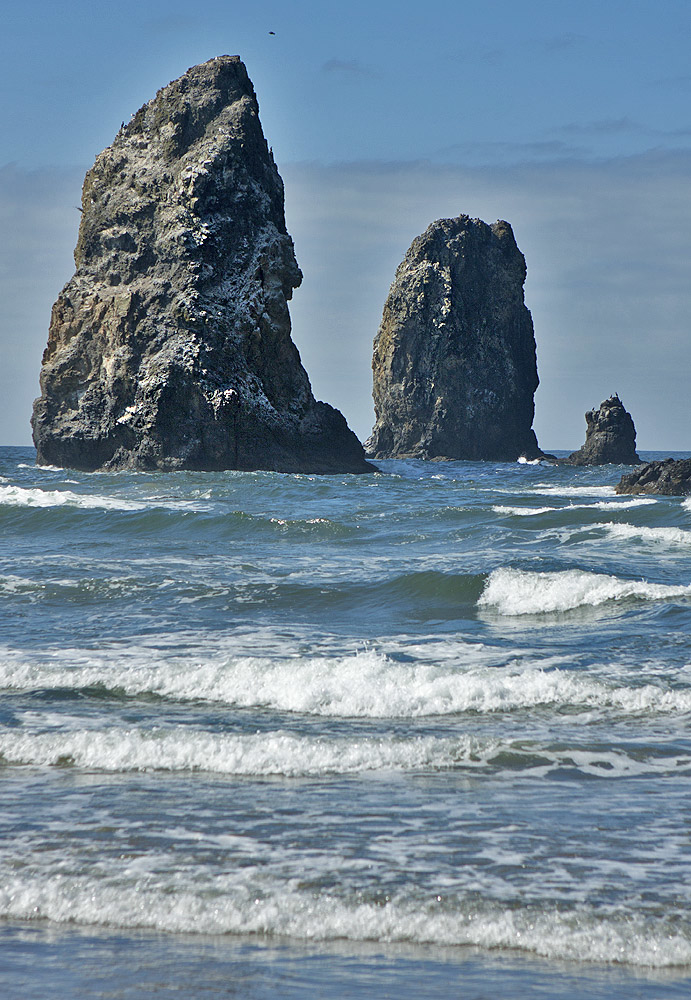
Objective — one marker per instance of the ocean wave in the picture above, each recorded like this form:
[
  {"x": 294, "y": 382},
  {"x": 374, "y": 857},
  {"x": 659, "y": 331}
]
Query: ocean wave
[
  {"x": 659, "y": 536},
  {"x": 182, "y": 749},
  {"x": 523, "y": 511},
  {"x": 40, "y": 468},
  {"x": 245, "y": 903},
  {"x": 19, "y": 496},
  {"x": 369, "y": 684},
  {"x": 518, "y": 592},
  {"x": 218, "y": 514},
  {"x": 277, "y": 753},
  {"x": 585, "y": 490},
  {"x": 606, "y": 505}
]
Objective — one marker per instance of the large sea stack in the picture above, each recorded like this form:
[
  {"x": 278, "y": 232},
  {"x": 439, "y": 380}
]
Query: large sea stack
[
  {"x": 170, "y": 347},
  {"x": 610, "y": 436},
  {"x": 454, "y": 359}
]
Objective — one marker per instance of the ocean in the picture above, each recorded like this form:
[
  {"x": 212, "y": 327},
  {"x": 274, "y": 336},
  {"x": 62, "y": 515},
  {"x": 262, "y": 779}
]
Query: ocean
[{"x": 418, "y": 733}]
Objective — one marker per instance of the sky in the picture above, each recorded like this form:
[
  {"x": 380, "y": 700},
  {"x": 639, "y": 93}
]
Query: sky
[{"x": 571, "y": 120}]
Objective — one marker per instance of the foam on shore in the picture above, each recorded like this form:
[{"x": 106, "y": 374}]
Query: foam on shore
[{"x": 247, "y": 904}]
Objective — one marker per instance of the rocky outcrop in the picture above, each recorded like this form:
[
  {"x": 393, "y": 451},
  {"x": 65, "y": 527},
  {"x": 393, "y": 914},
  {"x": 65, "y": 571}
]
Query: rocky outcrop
[
  {"x": 170, "y": 347},
  {"x": 670, "y": 478},
  {"x": 454, "y": 359},
  {"x": 610, "y": 436}
]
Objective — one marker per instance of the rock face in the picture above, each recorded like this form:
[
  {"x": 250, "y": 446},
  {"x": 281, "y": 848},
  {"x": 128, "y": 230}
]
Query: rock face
[
  {"x": 170, "y": 347},
  {"x": 610, "y": 436},
  {"x": 454, "y": 359},
  {"x": 670, "y": 478}
]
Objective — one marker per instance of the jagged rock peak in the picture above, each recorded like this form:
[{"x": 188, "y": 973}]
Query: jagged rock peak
[
  {"x": 669, "y": 478},
  {"x": 454, "y": 361},
  {"x": 610, "y": 436},
  {"x": 170, "y": 347}
]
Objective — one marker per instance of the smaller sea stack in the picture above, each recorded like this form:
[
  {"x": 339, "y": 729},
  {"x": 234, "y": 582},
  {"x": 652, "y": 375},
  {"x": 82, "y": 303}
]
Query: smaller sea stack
[
  {"x": 454, "y": 361},
  {"x": 669, "y": 478},
  {"x": 610, "y": 437}
]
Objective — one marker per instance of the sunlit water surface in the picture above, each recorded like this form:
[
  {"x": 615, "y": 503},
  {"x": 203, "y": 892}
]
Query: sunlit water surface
[{"x": 419, "y": 733}]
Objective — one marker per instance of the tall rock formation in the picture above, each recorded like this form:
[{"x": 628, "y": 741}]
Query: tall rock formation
[
  {"x": 610, "y": 436},
  {"x": 454, "y": 359},
  {"x": 170, "y": 347}
]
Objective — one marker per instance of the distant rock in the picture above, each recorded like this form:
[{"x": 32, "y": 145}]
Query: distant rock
[
  {"x": 170, "y": 347},
  {"x": 610, "y": 436},
  {"x": 670, "y": 478},
  {"x": 454, "y": 359}
]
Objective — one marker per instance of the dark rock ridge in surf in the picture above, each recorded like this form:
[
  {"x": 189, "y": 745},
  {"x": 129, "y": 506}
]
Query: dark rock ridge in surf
[
  {"x": 610, "y": 436},
  {"x": 170, "y": 348},
  {"x": 670, "y": 478},
  {"x": 454, "y": 362}
]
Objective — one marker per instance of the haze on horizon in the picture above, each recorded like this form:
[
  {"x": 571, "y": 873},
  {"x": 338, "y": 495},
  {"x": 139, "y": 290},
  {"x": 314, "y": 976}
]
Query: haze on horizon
[{"x": 570, "y": 122}]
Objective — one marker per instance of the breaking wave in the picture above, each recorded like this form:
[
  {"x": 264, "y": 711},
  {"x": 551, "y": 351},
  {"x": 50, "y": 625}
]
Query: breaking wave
[
  {"x": 658, "y": 536},
  {"x": 519, "y": 592},
  {"x": 181, "y": 749},
  {"x": 574, "y": 491},
  {"x": 19, "y": 496},
  {"x": 265, "y": 906},
  {"x": 608, "y": 505},
  {"x": 365, "y": 685},
  {"x": 277, "y": 753}
]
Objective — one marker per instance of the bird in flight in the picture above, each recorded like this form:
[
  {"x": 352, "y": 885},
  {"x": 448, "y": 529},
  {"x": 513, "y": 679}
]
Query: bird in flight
[{"x": 272, "y": 32}]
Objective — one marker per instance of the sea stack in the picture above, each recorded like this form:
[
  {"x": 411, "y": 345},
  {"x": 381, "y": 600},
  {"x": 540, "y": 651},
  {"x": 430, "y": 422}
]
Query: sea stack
[
  {"x": 668, "y": 478},
  {"x": 170, "y": 348},
  {"x": 610, "y": 436},
  {"x": 454, "y": 361}
]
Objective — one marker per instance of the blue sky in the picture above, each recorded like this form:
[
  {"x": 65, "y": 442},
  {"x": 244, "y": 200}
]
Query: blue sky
[{"x": 571, "y": 120}]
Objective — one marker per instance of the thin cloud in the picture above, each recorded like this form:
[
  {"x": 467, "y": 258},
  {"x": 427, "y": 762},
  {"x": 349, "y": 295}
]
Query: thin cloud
[
  {"x": 604, "y": 126},
  {"x": 618, "y": 127},
  {"x": 515, "y": 152}
]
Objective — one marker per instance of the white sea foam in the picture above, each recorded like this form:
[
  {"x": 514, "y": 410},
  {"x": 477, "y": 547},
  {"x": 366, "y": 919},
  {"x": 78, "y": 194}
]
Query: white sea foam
[
  {"x": 183, "y": 749},
  {"x": 518, "y": 592},
  {"x": 367, "y": 684},
  {"x": 18, "y": 496},
  {"x": 12, "y": 584},
  {"x": 40, "y": 468},
  {"x": 245, "y": 903},
  {"x": 574, "y": 491},
  {"x": 607, "y": 505},
  {"x": 523, "y": 511},
  {"x": 522, "y": 460},
  {"x": 680, "y": 537},
  {"x": 615, "y": 505}
]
